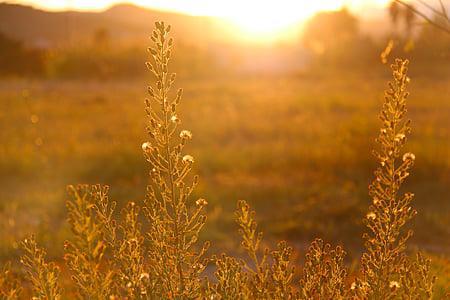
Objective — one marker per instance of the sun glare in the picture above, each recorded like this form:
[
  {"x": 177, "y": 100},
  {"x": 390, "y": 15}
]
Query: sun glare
[
  {"x": 270, "y": 19},
  {"x": 250, "y": 19},
  {"x": 267, "y": 19}
]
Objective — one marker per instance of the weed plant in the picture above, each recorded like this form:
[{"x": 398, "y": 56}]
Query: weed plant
[{"x": 153, "y": 252}]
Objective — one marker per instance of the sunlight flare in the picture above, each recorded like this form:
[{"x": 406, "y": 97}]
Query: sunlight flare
[{"x": 250, "y": 19}]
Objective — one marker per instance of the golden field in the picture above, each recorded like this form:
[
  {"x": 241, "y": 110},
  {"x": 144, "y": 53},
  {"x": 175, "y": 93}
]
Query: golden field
[{"x": 296, "y": 147}]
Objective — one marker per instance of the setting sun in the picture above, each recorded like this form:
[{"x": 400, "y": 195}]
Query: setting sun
[{"x": 263, "y": 20}]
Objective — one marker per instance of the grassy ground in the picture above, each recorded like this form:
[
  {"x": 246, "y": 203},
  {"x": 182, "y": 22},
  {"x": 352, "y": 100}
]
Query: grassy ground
[{"x": 297, "y": 148}]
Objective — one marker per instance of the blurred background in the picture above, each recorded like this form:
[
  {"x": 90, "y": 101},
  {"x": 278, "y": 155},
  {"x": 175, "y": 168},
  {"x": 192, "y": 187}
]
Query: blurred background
[{"x": 282, "y": 98}]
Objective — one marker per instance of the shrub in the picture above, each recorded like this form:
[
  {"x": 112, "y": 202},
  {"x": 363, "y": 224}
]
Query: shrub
[
  {"x": 17, "y": 60},
  {"x": 156, "y": 254}
]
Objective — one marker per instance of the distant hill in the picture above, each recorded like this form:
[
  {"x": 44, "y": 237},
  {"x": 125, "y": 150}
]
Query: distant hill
[
  {"x": 124, "y": 22},
  {"x": 129, "y": 22}
]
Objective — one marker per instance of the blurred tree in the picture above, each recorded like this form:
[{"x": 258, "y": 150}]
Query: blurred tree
[
  {"x": 410, "y": 17},
  {"x": 101, "y": 38},
  {"x": 433, "y": 44},
  {"x": 16, "y": 59},
  {"x": 334, "y": 38},
  {"x": 328, "y": 30},
  {"x": 441, "y": 20},
  {"x": 394, "y": 13}
]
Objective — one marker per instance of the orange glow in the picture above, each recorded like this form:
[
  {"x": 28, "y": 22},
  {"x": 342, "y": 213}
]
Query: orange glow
[{"x": 255, "y": 19}]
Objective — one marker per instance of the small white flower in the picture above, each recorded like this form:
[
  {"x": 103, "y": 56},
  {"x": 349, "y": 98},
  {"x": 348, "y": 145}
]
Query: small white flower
[
  {"x": 198, "y": 266},
  {"x": 353, "y": 286},
  {"x": 174, "y": 119},
  {"x": 400, "y": 137},
  {"x": 409, "y": 156},
  {"x": 201, "y": 202},
  {"x": 394, "y": 284},
  {"x": 146, "y": 146},
  {"x": 188, "y": 159},
  {"x": 371, "y": 216},
  {"x": 186, "y": 134}
]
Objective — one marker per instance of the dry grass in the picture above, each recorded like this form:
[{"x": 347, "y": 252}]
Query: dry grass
[
  {"x": 274, "y": 150},
  {"x": 303, "y": 134}
]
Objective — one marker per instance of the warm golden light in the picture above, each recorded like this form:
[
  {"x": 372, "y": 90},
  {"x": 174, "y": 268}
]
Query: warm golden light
[
  {"x": 258, "y": 19},
  {"x": 252, "y": 19}
]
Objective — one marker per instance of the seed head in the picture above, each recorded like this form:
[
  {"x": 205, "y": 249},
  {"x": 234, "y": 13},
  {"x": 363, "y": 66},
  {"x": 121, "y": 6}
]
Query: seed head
[
  {"x": 371, "y": 216},
  {"x": 400, "y": 137},
  {"x": 146, "y": 146},
  {"x": 394, "y": 284},
  {"x": 201, "y": 202},
  {"x": 186, "y": 134},
  {"x": 409, "y": 156},
  {"x": 188, "y": 159}
]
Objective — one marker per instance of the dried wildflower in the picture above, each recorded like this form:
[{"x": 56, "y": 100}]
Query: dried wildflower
[
  {"x": 186, "y": 134},
  {"x": 201, "y": 202},
  {"x": 9, "y": 284},
  {"x": 188, "y": 159},
  {"x": 409, "y": 157},
  {"x": 394, "y": 284},
  {"x": 109, "y": 259},
  {"x": 174, "y": 223},
  {"x": 371, "y": 216},
  {"x": 146, "y": 146},
  {"x": 42, "y": 275},
  {"x": 324, "y": 272},
  {"x": 85, "y": 252},
  {"x": 231, "y": 279},
  {"x": 265, "y": 280},
  {"x": 400, "y": 137},
  {"x": 385, "y": 258}
]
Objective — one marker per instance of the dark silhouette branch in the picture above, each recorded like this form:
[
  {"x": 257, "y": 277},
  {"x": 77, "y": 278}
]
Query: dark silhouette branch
[
  {"x": 432, "y": 22},
  {"x": 444, "y": 10},
  {"x": 430, "y": 7}
]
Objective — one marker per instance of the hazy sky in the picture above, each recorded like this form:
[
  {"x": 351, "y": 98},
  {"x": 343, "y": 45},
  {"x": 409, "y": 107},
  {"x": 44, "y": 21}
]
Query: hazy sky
[
  {"x": 252, "y": 17},
  {"x": 206, "y": 7}
]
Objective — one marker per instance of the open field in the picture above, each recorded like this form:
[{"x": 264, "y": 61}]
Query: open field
[
  {"x": 312, "y": 181},
  {"x": 297, "y": 148}
]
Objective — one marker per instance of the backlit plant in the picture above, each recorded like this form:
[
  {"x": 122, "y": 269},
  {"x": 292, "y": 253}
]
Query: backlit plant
[{"x": 152, "y": 250}]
